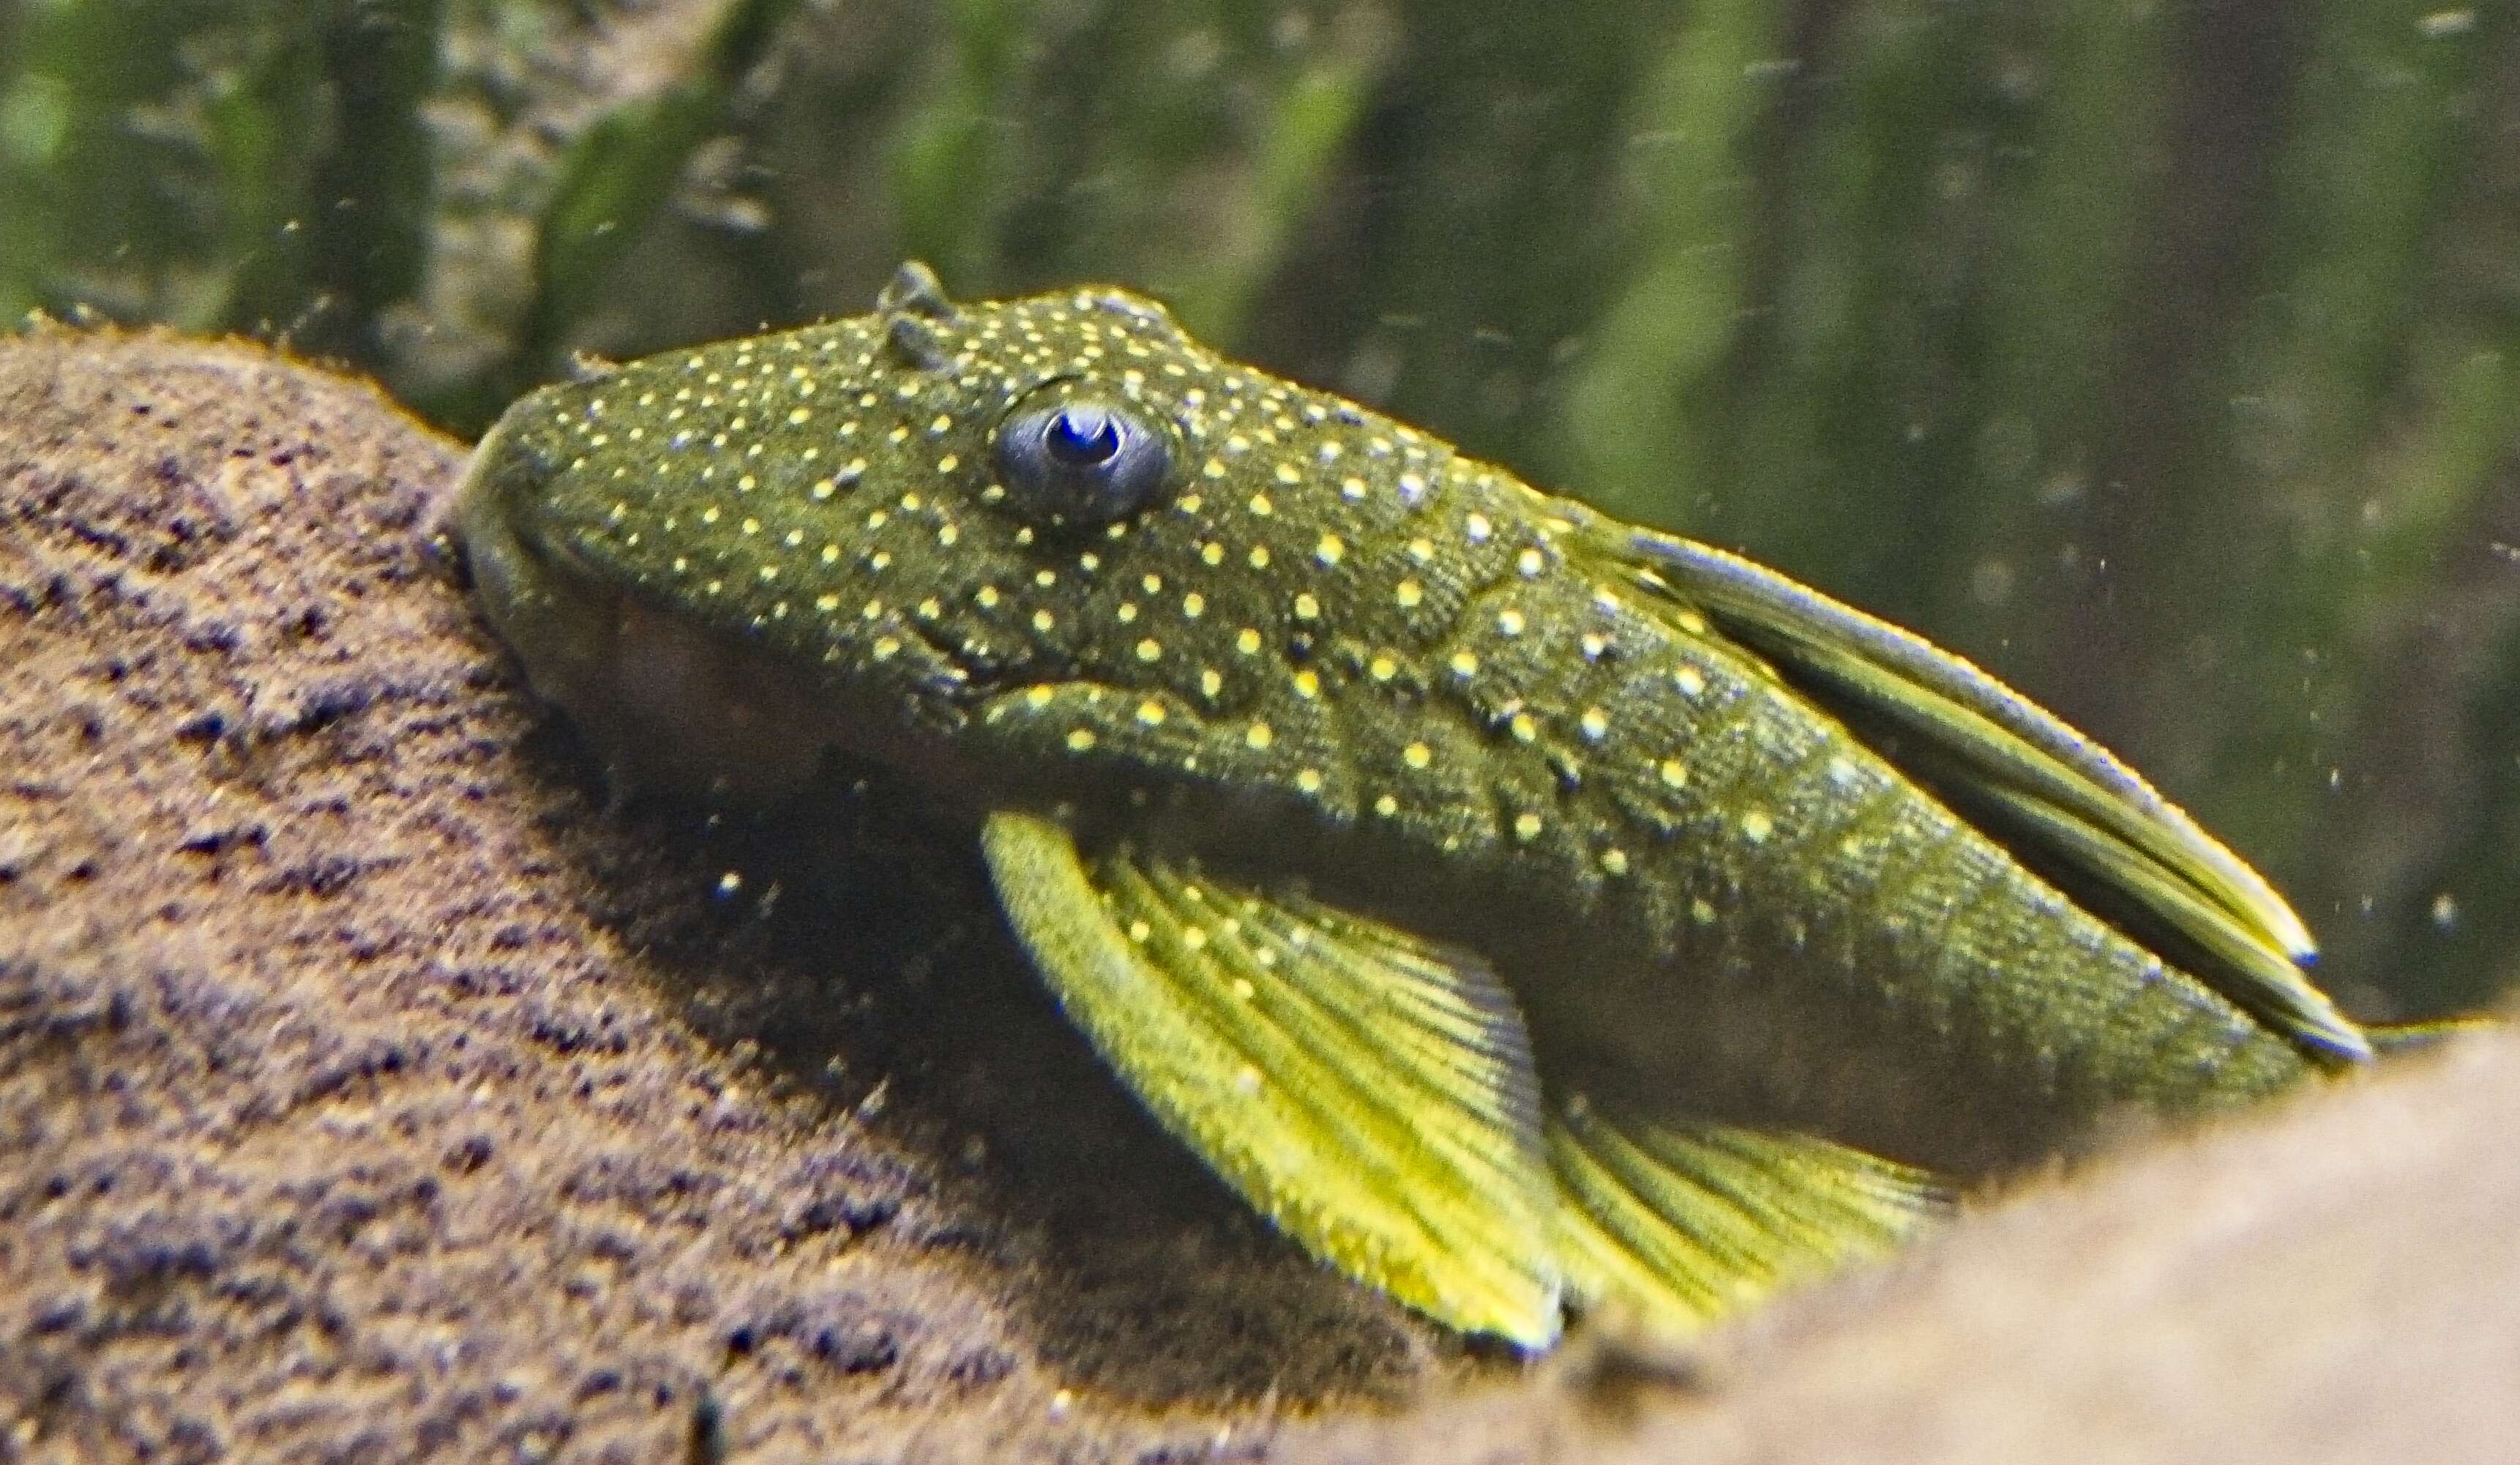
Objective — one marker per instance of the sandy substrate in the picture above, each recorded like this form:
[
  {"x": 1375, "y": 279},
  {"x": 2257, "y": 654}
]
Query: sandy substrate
[{"x": 370, "y": 1090}]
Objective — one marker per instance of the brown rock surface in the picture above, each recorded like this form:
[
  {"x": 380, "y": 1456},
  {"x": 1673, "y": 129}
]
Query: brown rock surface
[{"x": 367, "y": 1090}]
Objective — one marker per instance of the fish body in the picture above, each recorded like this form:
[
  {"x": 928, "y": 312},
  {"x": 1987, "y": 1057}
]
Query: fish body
[{"x": 1516, "y": 905}]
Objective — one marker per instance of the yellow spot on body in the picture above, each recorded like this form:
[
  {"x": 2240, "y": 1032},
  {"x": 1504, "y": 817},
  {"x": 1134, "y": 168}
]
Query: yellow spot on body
[
  {"x": 1692, "y": 623},
  {"x": 1307, "y": 608},
  {"x": 1525, "y": 730},
  {"x": 1307, "y": 683},
  {"x": 1039, "y": 697},
  {"x": 1701, "y": 912},
  {"x": 1289, "y": 473},
  {"x": 1407, "y": 594},
  {"x": 1386, "y": 805},
  {"x": 940, "y": 424},
  {"x": 1756, "y": 825},
  {"x": 1193, "y": 938},
  {"x": 1138, "y": 931},
  {"x": 1128, "y": 612},
  {"x": 1416, "y": 755},
  {"x": 1259, "y": 735},
  {"x": 1526, "y": 826},
  {"x": 1614, "y": 860},
  {"x": 1528, "y": 562},
  {"x": 987, "y": 596},
  {"x": 709, "y": 515},
  {"x": 1214, "y": 468},
  {"x": 1248, "y": 641},
  {"x": 1210, "y": 681},
  {"x": 886, "y": 647},
  {"x": 1595, "y": 723},
  {"x": 1149, "y": 649},
  {"x": 1080, "y": 740},
  {"x": 1309, "y": 780},
  {"x": 827, "y": 603},
  {"x": 949, "y": 463},
  {"x": 1042, "y": 621},
  {"x": 1421, "y": 549},
  {"x": 1212, "y": 551},
  {"x": 1673, "y": 773},
  {"x": 1261, "y": 507},
  {"x": 1193, "y": 605},
  {"x": 1465, "y": 663},
  {"x": 1351, "y": 488},
  {"x": 1259, "y": 556},
  {"x": 823, "y": 488},
  {"x": 1150, "y": 712},
  {"x": 1689, "y": 681},
  {"x": 1331, "y": 550},
  {"x": 1510, "y": 622},
  {"x": 799, "y": 417},
  {"x": 1478, "y": 529}
]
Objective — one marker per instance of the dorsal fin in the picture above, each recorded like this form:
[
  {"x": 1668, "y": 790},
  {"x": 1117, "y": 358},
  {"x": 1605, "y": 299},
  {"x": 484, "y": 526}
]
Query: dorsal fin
[{"x": 2059, "y": 799}]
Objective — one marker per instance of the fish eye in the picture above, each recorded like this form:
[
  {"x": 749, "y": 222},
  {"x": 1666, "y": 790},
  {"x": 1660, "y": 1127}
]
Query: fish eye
[{"x": 1082, "y": 461}]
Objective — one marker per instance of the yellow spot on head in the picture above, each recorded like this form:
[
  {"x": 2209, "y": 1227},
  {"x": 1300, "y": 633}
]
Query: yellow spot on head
[
  {"x": 1287, "y": 473},
  {"x": 1309, "y": 780},
  {"x": 1193, "y": 605},
  {"x": 1465, "y": 663},
  {"x": 1248, "y": 641},
  {"x": 1080, "y": 740},
  {"x": 1526, "y": 826},
  {"x": 1259, "y": 556},
  {"x": 1689, "y": 681},
  {"x": 1525, "y": 730},
  {"x": 1416, "y": 755},
  {"x": 1614, "y": 860},
  {"x": 1259, "y": 734},
  {"x": 1261, "y": 507},
  {"x": 1330, "y": 549},
  {"x": 1212, "y": 551},
  {"x": 1673, "y": 773},
  {"x": 1386, "y": 805},
  {"x": 1756, "y": 825},
  {"x": 1595, "y": 723},
  {"x": 1150, "y": 712},
  {"x": 1307, "y": 608},
  {"x": 1037, "y": 696},
  {"x": 1692, "y": 623},
  {"x": 1307, "y": 683},
  {"x": 1510, "y": 622},
  {"x": 1042, "y": 621},
  {"x": 1149, "y": 649},
  {"x": 1210, "y": 681},
  {"x": 1407, "y": 594}
]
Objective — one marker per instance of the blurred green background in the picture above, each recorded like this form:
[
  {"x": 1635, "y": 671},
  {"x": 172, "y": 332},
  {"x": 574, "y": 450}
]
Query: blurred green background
[{"x": 2165, "y": 356}]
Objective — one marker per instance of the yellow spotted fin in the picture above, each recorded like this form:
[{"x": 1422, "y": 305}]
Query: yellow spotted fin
[{"x": 1370, "y": 1093}]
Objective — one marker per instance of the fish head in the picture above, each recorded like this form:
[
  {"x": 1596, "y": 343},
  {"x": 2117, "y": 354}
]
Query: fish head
[{"x": 875, "y": 531}]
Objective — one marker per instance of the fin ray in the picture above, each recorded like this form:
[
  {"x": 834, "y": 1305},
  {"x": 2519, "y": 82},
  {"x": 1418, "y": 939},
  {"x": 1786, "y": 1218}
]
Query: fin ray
[
  {"x": 1370, "y": 1093},
  {"x": 1686, "y": 1223}
]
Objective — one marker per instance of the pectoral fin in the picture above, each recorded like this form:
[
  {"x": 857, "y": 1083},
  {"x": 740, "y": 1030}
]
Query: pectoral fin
[
  {"x": 1369, "y": 1092},
  {"x": 2065, "y": 805},
  {"x": 1682, "y": 1224}
]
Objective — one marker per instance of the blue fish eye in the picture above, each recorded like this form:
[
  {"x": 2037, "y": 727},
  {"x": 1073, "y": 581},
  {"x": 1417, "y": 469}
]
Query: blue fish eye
[{"x": 1081, "y": 461}]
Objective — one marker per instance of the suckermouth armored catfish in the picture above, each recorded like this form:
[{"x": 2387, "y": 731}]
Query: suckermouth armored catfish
[{"x": 1517, "y": 906}]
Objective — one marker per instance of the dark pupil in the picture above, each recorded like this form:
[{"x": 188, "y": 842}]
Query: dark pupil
[{"x": 1082, "y": 436}]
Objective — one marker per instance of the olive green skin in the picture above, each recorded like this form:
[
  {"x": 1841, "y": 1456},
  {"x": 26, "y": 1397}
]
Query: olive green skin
[{"x": 1329, "y": 650}]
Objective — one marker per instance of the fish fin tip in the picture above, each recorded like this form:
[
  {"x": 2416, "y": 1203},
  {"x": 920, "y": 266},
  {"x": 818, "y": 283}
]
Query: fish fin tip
[{"x": 1677, "y": 1226}]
